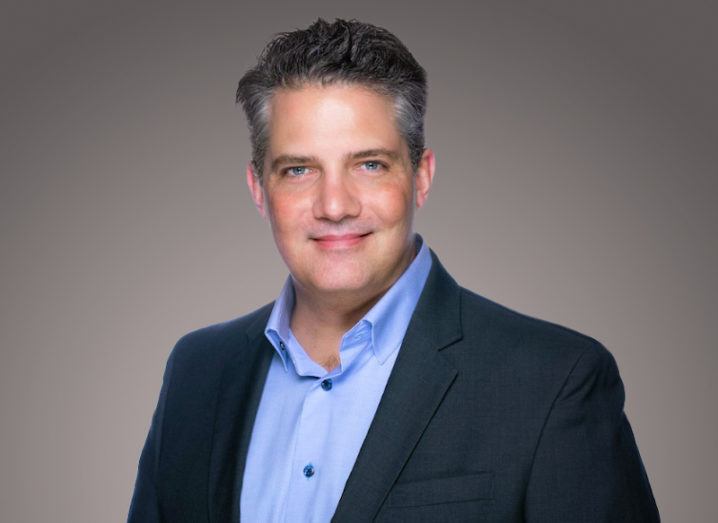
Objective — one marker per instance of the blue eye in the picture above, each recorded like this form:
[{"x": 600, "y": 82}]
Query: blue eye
[
  {"x": 373, "y": 165},
  {"x": 297, "y": 171}
]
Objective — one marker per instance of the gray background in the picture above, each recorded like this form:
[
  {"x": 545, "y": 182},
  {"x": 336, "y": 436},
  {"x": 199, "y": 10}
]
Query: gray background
[{"x": 576, "y": 182}]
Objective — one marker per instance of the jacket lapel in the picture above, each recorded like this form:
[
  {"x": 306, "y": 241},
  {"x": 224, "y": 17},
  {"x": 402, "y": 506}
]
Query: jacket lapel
[
  {"x": 238, "y": 400},
  {"x": 416, "y": 386}
]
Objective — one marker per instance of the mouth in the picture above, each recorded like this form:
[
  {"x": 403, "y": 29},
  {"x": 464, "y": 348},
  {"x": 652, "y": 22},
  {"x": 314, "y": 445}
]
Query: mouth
[{"x": 339, "y": 241}]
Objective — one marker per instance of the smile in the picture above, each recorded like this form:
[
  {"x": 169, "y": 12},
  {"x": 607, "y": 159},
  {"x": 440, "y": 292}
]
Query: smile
[{"x": 339, "y": 241}]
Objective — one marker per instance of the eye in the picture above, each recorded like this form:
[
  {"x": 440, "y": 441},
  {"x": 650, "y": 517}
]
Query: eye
[
  {"x": 297, "y": 171},
  {"x": 373, "y": 165}
]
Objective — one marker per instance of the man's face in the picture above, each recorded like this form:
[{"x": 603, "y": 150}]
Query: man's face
[{"x": 339, "y": 189}]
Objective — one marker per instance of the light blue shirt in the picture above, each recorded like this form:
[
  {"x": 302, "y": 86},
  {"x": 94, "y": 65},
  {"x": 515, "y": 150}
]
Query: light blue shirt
[{"x": 312, "y": 422}]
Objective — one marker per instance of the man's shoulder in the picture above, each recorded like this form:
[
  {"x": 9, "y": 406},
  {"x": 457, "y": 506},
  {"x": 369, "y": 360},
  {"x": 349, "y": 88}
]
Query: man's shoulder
[
  {"x": 522, "y": 336},
  {"x": 215, "y": 341}
]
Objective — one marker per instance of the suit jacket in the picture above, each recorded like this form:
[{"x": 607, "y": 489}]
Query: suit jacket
[{"x": 488, "y": 415}]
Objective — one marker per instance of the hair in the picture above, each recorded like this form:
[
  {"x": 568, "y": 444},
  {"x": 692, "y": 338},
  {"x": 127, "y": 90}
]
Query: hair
[{"x": 344, "y": 51}]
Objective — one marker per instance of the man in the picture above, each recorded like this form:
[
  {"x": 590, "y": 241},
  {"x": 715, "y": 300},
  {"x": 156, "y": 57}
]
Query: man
[{"x": 375, "y": 388}]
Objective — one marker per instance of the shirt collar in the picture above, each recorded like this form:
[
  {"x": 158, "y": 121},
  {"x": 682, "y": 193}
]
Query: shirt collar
[
  {"x": 388, "y": 319},
  {"x": 277, "y": 330}
]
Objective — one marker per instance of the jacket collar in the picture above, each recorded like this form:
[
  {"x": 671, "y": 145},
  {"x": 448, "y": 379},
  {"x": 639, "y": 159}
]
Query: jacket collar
[
  {"x": 240, "y": 390},
  {"x": 416, "y": 387}
]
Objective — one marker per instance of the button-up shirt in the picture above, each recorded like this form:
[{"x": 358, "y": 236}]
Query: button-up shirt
[{"x": 312, "y": 422}]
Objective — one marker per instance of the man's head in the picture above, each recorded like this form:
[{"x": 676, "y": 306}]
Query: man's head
[
  {"x": 330, "y": 109},
  {"x": 342, "y": 52}
]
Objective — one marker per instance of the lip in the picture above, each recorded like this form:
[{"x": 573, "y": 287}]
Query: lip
[{"x": 339, "y": 241}]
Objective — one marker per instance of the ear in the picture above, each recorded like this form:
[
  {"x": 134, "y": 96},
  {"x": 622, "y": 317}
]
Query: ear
[
  {"x": 256, "y": 190},
  {"x": 424, "y": 176}
]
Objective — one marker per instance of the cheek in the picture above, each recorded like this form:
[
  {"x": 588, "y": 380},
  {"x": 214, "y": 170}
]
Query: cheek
[
  {"x": 284, "y": 213},
  {"x": 393, "y": 205}
]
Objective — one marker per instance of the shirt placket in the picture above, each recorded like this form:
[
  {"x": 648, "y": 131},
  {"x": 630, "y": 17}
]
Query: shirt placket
[
  {"x": 311, "y": 471},
  {"x": 308, "y": 471}
]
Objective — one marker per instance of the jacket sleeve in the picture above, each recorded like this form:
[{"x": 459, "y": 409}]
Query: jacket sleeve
[
  {"x": 144, "y": 507},
  {"x": 586, "y": 466}
]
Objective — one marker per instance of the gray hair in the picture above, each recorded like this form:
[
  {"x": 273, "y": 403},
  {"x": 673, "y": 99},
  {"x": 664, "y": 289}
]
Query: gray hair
[{"x": 325, "y": 53}]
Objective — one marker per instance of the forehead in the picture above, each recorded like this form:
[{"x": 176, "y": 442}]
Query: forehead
[{"x": 331, "y": 118}]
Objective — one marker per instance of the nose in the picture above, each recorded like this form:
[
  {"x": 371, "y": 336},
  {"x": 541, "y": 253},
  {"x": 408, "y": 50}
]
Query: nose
[{"x": 336, "y": 198}]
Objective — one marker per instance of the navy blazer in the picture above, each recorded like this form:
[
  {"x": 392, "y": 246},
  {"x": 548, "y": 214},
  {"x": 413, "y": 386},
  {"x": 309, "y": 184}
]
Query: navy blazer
[{"x": 488, "y": 415}]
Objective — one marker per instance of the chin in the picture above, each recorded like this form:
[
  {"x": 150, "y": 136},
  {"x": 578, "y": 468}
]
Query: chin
[{"x": 340, "y": 283}]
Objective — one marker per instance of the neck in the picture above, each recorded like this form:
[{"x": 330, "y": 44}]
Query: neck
[{"x": 319, "y": 325}]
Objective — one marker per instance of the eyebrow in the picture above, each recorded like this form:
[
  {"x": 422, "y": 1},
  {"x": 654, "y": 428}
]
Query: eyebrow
[
  {"x": 393, "y": 155},
  {"x": 367, "y": 153},
  {"x": 288, "y": 158}
]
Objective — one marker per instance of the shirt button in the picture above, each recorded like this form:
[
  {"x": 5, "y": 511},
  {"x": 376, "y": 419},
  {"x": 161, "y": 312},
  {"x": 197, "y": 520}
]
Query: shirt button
[
  {"x": 327, "y": 384},
  {"x": 282, "y": 345},
  {"x": 309, "y": 470}
]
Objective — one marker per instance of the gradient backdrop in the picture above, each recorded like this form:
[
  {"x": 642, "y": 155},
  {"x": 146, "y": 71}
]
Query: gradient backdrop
[{"x": 576, "y": 146}]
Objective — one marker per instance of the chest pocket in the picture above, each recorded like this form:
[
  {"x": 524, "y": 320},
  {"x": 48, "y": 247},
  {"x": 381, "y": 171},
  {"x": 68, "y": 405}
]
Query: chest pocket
[{"x": 470, "y": 487}]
